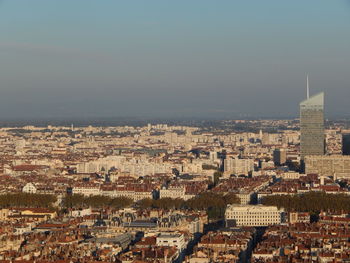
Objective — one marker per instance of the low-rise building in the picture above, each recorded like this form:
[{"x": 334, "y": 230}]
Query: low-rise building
[
  {"x": 253, "y": 215},
  {"x": 171, "y": 240}
]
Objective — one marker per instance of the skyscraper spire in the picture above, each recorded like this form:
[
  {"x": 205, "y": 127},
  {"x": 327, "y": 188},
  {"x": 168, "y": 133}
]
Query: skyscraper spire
[{"x": 307, "y": 87}]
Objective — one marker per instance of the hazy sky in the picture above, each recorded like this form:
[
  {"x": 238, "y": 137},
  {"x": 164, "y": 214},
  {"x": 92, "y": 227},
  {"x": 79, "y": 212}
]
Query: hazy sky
[{"x": 179, "y": 58}]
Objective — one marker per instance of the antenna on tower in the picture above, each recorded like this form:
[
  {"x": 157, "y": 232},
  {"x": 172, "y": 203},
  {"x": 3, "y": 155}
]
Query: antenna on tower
[{"x": 307, "y": 87}]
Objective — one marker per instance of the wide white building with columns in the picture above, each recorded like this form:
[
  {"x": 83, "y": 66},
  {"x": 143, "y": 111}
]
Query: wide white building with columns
[{"x": 253, "y": 215}]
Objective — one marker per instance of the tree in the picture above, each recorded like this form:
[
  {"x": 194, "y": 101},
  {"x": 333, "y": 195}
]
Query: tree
[
  {"x": 97, "y": 201},
  {"x": 145, "y": 203},
  {"x": 214, "y": 203},
  {"x": 73, "y": 201},
  {"x": 312, "y": 202},
  {"x": 232, "y": 198},
  {"x": 27, "y": 200},
  {"x": 121, "y": 202}
]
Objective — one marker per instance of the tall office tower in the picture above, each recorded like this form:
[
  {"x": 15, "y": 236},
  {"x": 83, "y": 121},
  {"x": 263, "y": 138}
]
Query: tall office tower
[
  {"x": 346, "y": 144},
  {"x": 312, "y": 138}
]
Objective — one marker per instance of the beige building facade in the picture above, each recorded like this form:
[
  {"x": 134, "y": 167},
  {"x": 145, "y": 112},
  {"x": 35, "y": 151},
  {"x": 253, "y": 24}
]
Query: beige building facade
[{"x": 337, "y": 166}]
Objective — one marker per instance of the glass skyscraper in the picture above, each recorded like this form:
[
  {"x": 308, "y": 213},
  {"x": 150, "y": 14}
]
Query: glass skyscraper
[{"x": 312, "y": 138}]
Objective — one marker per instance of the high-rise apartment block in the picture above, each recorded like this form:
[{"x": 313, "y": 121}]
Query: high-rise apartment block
[{"x": 238, "y": 166}]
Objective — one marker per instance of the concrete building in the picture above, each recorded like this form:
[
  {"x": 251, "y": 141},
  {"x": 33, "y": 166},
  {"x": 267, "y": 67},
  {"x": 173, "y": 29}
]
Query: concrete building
[
  {"x": 337, "y": 166},
  {"x": 279, "y": 156},
  {"x": 4, "y": 213},
  {"x": 312, "y": 138},
  {"x": 172, "y": 192},
  {"x": 253, "y": 215},
  {"x": 86, "y": 190},
  {"x": 238, "y": 166},
  {"x": 246, "y": 197},
  {"x": 299, "y": 217},
  {"x": 290, "y": 175},
  {"x": 213, "y": 156},
  {"x": 172, "y": 240}
]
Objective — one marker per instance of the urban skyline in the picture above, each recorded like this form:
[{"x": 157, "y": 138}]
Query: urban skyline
[{"x": 154, "y": 131}]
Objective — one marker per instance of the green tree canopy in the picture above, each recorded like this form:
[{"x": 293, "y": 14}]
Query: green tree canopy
[
  {"x": 97, "y": 201},
  {"x": 27, "y": 200},
  {"x": 312, "y": 202}
]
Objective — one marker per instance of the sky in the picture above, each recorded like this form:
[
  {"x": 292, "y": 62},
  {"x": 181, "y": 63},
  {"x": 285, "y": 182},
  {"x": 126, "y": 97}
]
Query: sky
[{"x": 172, "y": 59}]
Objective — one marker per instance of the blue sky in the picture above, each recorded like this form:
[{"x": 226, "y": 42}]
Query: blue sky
[{"x": 183, "y": 58}]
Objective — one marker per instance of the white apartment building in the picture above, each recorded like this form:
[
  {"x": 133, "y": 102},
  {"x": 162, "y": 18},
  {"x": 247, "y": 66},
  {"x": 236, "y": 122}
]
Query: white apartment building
[
  {"x": 128, "y": 193},
  {"x": 171, "y": 240},
  {"x": 139, "y": 195},
  {"x": 86, "y": 190},
  {"x": 291, "y": 175},
  {"x": 238, "y": 166},
  {"x": 193, "y": 167},
  {"x": 172, "y": 192},
  {"x": 253, "y": 215},
  {"x": 101, "y": 163},
  {"x": 245, "y": 197},
  {"x": 81, "y": 212},
  {"x": 133, "y": 166}
]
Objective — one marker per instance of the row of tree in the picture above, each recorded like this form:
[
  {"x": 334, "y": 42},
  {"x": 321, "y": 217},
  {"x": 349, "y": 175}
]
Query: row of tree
[
  {"x": 312, "y": 202},
  {"x": 214, "y": 203},
  {"x": 98, "y": 201},
  {"x": 27, "y": 200}
]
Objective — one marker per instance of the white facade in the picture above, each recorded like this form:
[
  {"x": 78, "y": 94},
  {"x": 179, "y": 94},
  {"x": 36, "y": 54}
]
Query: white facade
[
  {"x": 86, "y": 190},
  {"x": 134, "y": 195},
  {"x": 172, "y": 192},
  {"x": 254, "y": 215},
  {"x": 29, "y": 188},
  {"x": 81, "y": 212},
  {"x": 213, "y": 156},
  {"x": 21, "y": 229},
  {"x": 171, "y": 240},
  {"x": 135, "y": 166},
  {"x": 245, "y": 198},
  {"x": 291, "y": 175},
  {"x": 337, "y": 166},
  {"x": 139, "y": 195},
  {"x": 238, "y": 166}
]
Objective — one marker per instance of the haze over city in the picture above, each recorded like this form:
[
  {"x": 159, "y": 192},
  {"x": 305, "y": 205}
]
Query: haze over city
[{"x": 172, "y": 59}]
